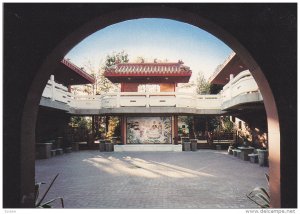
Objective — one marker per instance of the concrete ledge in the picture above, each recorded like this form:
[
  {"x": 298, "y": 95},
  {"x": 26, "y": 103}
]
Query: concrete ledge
[
  {"x": 46, "y": 102},
  {"x": 148, "y": 148},
  {"x": 146, "y": 110}
]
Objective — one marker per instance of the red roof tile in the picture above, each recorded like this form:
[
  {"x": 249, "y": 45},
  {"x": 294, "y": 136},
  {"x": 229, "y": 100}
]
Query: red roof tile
[
  {"x": 79, "y": 71},
  {"x": 148, "y": 70}
]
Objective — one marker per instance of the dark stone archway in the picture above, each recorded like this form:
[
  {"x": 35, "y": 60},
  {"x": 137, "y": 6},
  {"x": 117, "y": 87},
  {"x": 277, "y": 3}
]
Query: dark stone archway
[{"x": 37, "y": 36}]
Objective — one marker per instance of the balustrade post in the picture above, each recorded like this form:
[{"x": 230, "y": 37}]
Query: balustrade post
[
  {"x": 118, "y": 100},
  {"x": 52, "y": 87},
  {"x": 147, "y": 100},
  {"x": 230, "y": 89}
]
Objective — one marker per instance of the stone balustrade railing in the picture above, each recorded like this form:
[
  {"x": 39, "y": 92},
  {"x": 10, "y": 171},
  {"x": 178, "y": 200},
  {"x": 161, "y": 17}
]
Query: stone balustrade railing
[{"x": 241, "y": 84}]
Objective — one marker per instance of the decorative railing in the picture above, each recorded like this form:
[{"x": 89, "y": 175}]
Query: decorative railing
[
  {"x": 137, "y": 99},
  {"x": 241, "y": 84},
  {"x": 57, "y": 92}
]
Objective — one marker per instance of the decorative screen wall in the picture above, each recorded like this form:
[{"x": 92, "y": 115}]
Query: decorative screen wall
[{"x": 149, "y": 130}]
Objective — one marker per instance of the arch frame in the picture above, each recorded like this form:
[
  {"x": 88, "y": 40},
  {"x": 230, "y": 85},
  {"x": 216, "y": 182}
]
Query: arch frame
[{"x": 152, "y": 11}]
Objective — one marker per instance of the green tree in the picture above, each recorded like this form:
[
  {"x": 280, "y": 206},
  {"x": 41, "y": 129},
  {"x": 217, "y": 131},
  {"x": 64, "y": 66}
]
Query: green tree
[
  {"x": 115, "y": 58},
  {"x": 202, "y": 85},
  {"x": 102, "y": 85},
  {"x": 226, "y": 124}
]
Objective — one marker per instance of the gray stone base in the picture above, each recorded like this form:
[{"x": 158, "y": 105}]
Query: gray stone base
[
  {"x": 59, "y": 151},
  {"x": 148, "y": 148}
]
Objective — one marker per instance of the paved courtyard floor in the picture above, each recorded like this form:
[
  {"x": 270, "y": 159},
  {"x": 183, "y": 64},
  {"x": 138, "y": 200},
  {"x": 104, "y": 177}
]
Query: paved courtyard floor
[{"x": 202, "y": 179}]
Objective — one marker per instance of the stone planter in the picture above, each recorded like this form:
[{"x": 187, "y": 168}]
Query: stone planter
[
  {"x": 102, "y": 145},
  {"x": 186, "y": 146},
  {"x": 253, "y": 158},
  {"x": 194, "y": 144},
  {"x": 263, "y": 157},
  {"x": 43, "y": 150},
  {"x": 109, "y": 147}
]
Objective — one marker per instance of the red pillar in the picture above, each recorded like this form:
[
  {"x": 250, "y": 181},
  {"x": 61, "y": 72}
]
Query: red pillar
[
  {"x": 175, "y": 129},
  {"x": 123, "y": 129}
]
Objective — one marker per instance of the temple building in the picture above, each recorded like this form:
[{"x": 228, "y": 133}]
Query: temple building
[
  {"x": 148, "y": 108},
  {"x": 146, "y": 79}
]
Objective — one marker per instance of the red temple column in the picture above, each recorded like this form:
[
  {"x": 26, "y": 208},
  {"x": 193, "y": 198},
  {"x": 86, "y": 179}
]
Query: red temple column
[
  {"x": 175, "y": 129},
  {"x": 123, "y": 129}
]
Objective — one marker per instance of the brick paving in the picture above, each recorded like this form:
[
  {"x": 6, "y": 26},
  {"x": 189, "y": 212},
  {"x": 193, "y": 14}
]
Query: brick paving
[{"x": 202, "y": 179}]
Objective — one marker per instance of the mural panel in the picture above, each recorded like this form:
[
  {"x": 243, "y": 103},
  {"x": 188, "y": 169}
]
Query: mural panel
[{"x": 149, "y": 130}]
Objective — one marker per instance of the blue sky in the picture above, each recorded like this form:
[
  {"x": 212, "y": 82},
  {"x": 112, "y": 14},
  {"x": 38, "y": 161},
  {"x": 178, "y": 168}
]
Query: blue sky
[{"x": 154, "y": 38}]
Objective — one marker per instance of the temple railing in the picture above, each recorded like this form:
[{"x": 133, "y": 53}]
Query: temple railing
[
  {"x": 57, "y": 92},
  {"x": 242, "y": 84},
  {"x": 138, "y": 99}
]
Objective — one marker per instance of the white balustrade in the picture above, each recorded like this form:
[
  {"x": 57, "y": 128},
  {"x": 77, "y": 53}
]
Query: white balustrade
[
  {"x": 133, "y": 101},
  {"x": 57, "y": 92},
  {"x": 160, "y": 101},
  {"x": 208, "y": 102},
  {"x": 86, "y": 102},
  {"x": 241, "y": 84}
]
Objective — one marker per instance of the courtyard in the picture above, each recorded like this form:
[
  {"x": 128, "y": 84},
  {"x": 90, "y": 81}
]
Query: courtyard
[{"x": 201, "y": 179}]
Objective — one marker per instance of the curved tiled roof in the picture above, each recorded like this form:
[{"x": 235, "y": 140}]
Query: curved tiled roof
[
  {"x": 78, "y": 70},
  {"x": 149, "y": 73}
]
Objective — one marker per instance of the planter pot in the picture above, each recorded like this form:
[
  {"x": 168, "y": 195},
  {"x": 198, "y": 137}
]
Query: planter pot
[
  {"x": 186, "y": 146},
  {"x": 102, "y": 145},
  {"x": 43, "y": 150},
  {"x": 263, "y": 157},
  {"x": 109, "y": 147},
  {"x": 194, "y": 145}
]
